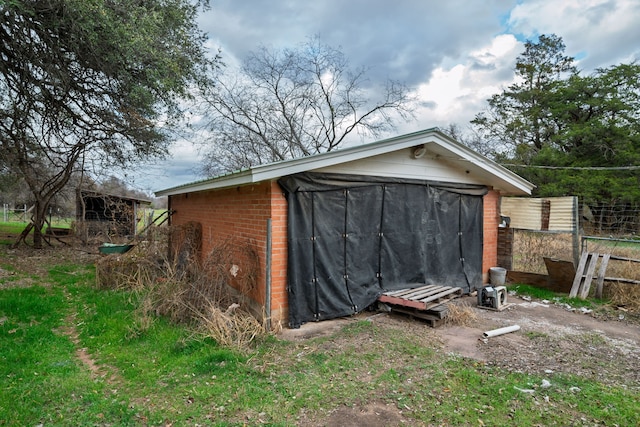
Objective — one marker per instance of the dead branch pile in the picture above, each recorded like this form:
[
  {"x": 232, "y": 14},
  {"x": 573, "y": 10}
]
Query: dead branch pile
[
  {"x": 231, "y": 327},
  {"x": 174, "y": 281}
]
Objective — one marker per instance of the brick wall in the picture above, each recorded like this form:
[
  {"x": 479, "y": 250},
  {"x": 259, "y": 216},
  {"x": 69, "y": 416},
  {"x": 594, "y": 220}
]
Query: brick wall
[
  {"x": 240, "y": 215},
  {"x": 491, "y": 204},
  {"x": 279, "y": 297}
]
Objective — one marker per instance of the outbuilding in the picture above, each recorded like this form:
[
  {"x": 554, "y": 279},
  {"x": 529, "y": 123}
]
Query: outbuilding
[
  {"x": 103, "y": 214},
  {"x": 334, "y": 230}
]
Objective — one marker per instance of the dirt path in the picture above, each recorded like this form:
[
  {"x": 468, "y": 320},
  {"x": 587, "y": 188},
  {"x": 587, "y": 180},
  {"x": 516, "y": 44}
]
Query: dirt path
[
  {"x": 96, "y": 370},
  {"x": 551, "y": 340},
  {"x": 28, "y": 262}
]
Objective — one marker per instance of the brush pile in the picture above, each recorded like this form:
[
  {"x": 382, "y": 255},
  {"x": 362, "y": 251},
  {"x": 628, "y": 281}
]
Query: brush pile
[{"x": 172, "y": 279}]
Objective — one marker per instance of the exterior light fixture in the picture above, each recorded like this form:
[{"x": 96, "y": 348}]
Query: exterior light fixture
[{"x": 419, "y": 151}]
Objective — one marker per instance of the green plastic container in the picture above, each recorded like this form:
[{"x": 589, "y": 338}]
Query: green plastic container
[{"x": 112, "y": 248}]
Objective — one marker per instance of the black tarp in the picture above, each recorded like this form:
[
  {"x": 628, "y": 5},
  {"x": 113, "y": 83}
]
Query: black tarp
[{"x": 352, "y": 237}]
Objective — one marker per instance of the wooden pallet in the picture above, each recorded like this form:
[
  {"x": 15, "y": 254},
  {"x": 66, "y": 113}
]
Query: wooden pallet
[
  {"x": 433, "y": 320},
  {"x": 425, "y": 302},
  {"x": 587, "y": 269},
  {"x": 584, "y": 274},
  {"x": 421, "y": 298}
]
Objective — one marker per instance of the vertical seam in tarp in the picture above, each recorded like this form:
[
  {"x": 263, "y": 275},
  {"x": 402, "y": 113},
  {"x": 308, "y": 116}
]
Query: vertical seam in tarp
[
  {"x": 345, "y": 234},
  {"x": 313, "y": 246},
  {"x": 460, "y": 239},
  {"x": 380, "y": 237},
  {"x": 428, "y": 203}
]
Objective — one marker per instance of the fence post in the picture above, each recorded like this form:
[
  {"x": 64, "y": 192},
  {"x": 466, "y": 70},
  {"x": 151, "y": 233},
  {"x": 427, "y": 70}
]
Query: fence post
[{"x": 576, "y": 231}]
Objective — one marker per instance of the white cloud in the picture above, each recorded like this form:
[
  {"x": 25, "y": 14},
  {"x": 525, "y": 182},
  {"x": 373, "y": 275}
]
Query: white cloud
[
  {"x": 605, "y": 32},
  {"x": 456, "y": 94}
]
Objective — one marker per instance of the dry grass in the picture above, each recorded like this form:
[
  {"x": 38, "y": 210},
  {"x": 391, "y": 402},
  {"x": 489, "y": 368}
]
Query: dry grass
[
  {"x": 529, "y": 248},
  {"x": 624, "y": 295},
  {"x": 460, "y": 314},
  {"x": 172, "y": 280},
  {"x": 231, "y": 328}
]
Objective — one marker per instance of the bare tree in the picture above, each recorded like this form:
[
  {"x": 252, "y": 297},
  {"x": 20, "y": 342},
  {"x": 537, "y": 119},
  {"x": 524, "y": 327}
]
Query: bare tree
[
  {"x": 294, "y": 103},
  {"x": 471, "y": 138}
]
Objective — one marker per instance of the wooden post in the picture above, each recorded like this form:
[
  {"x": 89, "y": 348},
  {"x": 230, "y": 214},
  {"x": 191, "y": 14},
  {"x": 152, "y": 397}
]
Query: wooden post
[{"x": 576, "y": 231}]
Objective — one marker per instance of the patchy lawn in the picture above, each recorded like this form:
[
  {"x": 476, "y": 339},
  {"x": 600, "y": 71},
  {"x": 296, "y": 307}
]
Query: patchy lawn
[{"x": 71, "y": 354}]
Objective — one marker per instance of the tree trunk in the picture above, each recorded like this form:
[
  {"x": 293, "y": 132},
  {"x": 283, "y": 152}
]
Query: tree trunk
[
  {"x": 39, "y": 217},
  {"x": 36, "y": 224},
  {"x": 22, "y": 236}
]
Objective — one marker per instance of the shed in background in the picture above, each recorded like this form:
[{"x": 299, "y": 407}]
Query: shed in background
[{"x": 103, "y": 214}]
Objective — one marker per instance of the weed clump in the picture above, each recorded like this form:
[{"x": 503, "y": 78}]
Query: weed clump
[{"x": 460, "y": 314}]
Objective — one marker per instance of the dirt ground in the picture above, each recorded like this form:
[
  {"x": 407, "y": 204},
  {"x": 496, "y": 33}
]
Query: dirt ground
[
  {"x": 602, "y": 345},
  {"x": 553, "y": 338}
]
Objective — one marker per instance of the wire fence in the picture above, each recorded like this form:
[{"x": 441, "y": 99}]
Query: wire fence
[
  {"x": 617, "y": 219},
  {"x": 22, "y": 214},
  {"x": 605, "y": 228}
]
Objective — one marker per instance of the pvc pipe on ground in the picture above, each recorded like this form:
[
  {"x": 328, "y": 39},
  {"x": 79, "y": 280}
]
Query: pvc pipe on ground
[{"x": 501, "y": 331}]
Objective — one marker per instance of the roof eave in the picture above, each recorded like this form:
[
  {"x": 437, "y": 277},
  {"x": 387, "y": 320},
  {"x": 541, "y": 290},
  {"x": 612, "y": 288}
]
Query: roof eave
[
  {"x": 232, "y": 180},
  {"x": 511, "y": 182}
]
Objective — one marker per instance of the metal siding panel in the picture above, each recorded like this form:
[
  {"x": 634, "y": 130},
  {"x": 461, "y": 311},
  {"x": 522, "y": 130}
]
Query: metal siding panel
[
  {"x": 561, "y": 217},
  {"x": 525, "y": 213}
]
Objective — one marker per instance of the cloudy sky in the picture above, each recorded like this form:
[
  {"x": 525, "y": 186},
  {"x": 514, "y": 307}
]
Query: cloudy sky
[{"x": 454, "y": 54}]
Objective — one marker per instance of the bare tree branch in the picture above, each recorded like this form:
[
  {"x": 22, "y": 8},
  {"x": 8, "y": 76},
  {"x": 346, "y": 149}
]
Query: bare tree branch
[{"x": 294, "y": 103}]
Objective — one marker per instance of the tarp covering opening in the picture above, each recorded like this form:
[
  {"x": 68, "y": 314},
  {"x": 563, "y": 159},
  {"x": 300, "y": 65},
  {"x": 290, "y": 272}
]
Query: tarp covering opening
[{"x": 352, "y": 237}]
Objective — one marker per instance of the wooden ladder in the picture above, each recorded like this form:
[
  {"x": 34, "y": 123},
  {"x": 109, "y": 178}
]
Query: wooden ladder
[{"x": 584, "y": 275}]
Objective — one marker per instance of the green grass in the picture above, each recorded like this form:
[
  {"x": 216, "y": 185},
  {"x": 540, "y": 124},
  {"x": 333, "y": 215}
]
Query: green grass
[
  {"x": 9, "y": 231},
  {"x": 622, "y": 243},
  {"x": 12, "y": 227},
  {"x": 164, "y": 374},
  {"x": 545, "y": 294}
]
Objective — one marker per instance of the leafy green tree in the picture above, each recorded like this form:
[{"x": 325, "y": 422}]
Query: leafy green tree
[
  {"x": 91, "y": 83},
  {"x": 518, "y": 120},
  {"x": 570, "y": 134}
]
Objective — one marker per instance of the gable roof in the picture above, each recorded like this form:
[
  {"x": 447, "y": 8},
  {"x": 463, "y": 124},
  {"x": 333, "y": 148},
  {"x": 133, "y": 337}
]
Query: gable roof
[{"x": 435, "y": 141}]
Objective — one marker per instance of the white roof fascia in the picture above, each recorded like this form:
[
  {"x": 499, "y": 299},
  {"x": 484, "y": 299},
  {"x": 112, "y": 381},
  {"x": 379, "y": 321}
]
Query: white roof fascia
[
  {"x": 224, "y": 181},
  {"x": 332, "y": 158},
  {"x": 489, "y": 165},
  {"x": 302, "y": 164}
]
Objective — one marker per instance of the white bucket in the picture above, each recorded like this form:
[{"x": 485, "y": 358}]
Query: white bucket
[{"x": 497, "y": 276}]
